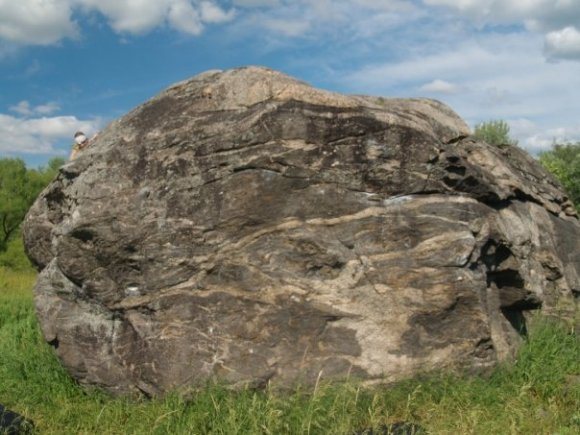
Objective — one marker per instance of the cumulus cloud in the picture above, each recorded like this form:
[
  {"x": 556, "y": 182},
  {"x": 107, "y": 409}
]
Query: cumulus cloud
[
  {"x": 141, "y": 16},
  {"x": 135, "y": 16},
  {"x": 500, "y": 77},
  {"x": 563, "y": 44},
  {"x": 397, "y": 46},
  {"x": 384, "y": 5},
  {"x": 185, "y": 18},
  {"x": 211, "y": 13},
  {"x": 537, "y": 14},
  {"x": 543, "y": 139},
  {"x": 256, "y": 3},
  {"x": 45, "y": 22},
  {"x": 40, "y": 135},
  {"x": 22, "y": 108},
  {"x": 41, "y": 22},
  {"x": 25, "y": 109},
  {"x": 438, "y": 86},
  {"x": 554, "y": 18},
  {"x": 47, "y": 109}
]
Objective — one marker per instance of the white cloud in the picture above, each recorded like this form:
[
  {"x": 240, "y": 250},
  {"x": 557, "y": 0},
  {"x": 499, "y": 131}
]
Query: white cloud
[
  {"x": 542, "y": 140},
  {"x": 536, "y": 139},
  {"x": 554, "y": 18},
  {"x": 185, "y": 18},
  {"x": 500, "y": 77},
  {"x": 438, "y": 86},
  {"x": 483, "y": 75},
  {"x": 454, "y": 63},
  {"x": 287, "y": 27},
  {"x": 384, "y": 5},
  {"x": 345, "y": 20},
  {"x": 25, "y": 109},
  {"x": 537, "y": 14},
  {"x": 45, "y": 22},
  {"x": 212, "y": 13},
  {"x": 22, "y": 108},
  {"x": 131, "y": 16},
  {"x": 47, "y": 109},
  {"x": 40, "y": 135},
  {"x": 522, "y": 127},
  {"x": 563, "y": 44},
  {"x": 141, "y": 16},
  {"x": 41, "y": 22},
  {"x": 256, "y": 3}
]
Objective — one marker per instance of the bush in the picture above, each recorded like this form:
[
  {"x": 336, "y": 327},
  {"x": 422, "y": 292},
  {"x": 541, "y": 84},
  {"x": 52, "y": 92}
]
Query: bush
[
  {"x": 494, "y": 133},
  {"x": 14, "y": 257},
  {"x": 19, "y": 188},
  {"x": 563, "y": 161}
]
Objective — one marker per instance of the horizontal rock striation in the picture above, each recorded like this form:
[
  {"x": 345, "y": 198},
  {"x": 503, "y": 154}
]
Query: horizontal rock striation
[{"x": 246, "y": 227}]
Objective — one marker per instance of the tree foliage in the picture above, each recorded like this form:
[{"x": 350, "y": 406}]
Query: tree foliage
[
  {"x": 13, "y": 257},
  {"x": 494, "y": 133},
  {"x": 19, "y": 187},
  {"x": 563, "y": 160}
]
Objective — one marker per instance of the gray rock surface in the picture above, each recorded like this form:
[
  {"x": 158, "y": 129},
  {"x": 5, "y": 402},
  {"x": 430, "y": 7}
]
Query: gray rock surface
[{"x": 245, "y": 226}]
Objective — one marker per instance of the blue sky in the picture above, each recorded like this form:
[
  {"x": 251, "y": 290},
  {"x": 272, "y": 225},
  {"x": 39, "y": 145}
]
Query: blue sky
[{"x": 78, "y": 64}]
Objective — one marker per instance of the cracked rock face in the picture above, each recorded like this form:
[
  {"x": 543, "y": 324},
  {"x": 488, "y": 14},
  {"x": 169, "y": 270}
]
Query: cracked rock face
[{"x": 246, "y": 227}]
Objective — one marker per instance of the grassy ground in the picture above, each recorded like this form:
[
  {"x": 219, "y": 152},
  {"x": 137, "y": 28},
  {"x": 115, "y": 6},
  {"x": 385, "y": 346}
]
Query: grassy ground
[{"x": 540, "y": 394}]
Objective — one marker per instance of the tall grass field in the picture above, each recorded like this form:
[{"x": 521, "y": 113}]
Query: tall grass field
[{"x": 539, "y": 394}]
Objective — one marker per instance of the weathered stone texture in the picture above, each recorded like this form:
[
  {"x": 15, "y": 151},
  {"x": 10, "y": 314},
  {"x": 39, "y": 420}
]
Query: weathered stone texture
[{"x": 245, "y": 226}]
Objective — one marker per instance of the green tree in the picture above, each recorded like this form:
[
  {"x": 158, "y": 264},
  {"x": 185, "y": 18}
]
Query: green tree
[
  {"x": 19, "y": 187},
  {"x": 563, "y": 160},
  {"x": 15, "y": 198},
  {"x": 494, "y": 133}
]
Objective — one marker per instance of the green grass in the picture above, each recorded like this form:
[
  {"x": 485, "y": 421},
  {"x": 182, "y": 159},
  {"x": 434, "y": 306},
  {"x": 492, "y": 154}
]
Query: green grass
[{"x": 537, "y": 395}]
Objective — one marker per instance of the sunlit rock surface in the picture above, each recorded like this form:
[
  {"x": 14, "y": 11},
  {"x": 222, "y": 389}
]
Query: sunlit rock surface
[{"x": 246, "y": 227}]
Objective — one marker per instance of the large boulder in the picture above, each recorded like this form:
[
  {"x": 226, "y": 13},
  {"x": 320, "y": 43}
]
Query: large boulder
[{"x": 246, "y": 227}]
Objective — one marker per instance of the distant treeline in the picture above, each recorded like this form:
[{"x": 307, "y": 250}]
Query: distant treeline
[{"x": 19, "y": 187}]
